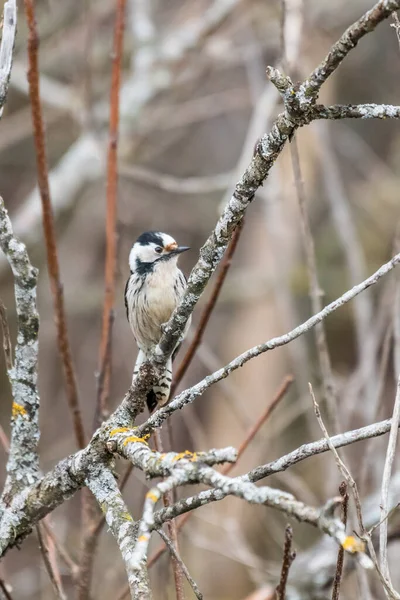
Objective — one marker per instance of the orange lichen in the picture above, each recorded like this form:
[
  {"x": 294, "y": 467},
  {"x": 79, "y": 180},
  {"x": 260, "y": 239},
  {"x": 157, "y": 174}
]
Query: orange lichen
[
  {"x": 17, "y": 409},
  {"x": 152, "y": 496},
  {"x": 353, "y": 545},
  {"x": 185, "y": 454},
  {"x": 143, "y": 538},
  {"x": 133, "y": 438},
  {"x": 119, "y": 430}
]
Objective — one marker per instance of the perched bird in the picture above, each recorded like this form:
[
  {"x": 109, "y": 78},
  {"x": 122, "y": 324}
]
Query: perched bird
[{"x": 153, "y": 290}]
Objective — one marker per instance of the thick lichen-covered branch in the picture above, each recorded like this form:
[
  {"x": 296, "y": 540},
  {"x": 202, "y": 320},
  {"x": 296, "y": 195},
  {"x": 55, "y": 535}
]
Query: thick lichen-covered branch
[
  {"x": 23, "y": 461},
  {"x": 119, "y": 520}
]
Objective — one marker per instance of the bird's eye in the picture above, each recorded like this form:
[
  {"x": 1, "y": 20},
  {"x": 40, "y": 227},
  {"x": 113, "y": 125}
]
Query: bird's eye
[{"x": 158, "y": 249}]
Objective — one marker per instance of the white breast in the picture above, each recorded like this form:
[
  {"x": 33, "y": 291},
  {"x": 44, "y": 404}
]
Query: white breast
[{"x": 152, "y": 301}]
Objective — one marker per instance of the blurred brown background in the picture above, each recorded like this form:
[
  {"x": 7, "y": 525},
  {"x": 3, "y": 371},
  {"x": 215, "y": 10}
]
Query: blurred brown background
[{"x": 194, "y": 100}]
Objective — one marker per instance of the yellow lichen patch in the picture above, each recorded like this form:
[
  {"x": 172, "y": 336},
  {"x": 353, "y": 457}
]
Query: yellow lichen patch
[
  {"x": 126, "y": 516},
  {"x": 143, "y": 538},
  {"x": 353, "y": 545},
  {"x": 133, "y": 438},
  {"x": 17, "y": 409},
  {"x": 194, "y": 457},
  {"x": 185, "y": 454},
  {"x": 119, "y": 430},
  {"x": 152, "y": 496}
]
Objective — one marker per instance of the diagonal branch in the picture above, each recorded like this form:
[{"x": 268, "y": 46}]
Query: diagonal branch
[
  {"x": 349, "y": 40},
  {"x": 299, "y": 104},
  {"x": 190, "y": 394}
]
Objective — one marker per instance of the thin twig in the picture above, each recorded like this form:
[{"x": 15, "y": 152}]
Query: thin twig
[
  {"x": 50, "y": 563},
  {"x": 48, "y": 226},
  {"x": 168, "y": 500},
  {"x": 341, "y": 466},
  {"x": 181, "y": 564},
  {"x": 6, "y": 336},
  {"x": 288, "y": 557},
  {"x": 111, "y": 218},
  {"x": 104, "y": 377},
  {"x": 4, "y": 441},
  {"x": 207, "y": 311},
  {"x": 63, "y": 553},
  {"x": 387, "y": 471},
  {"x": 315, "y": 294},
  {"x": 340, "y": 559},
  {"x": 4, "y": 589},
  {"x": 265, "y": 415},
  {"x": 396, "y": 26}
]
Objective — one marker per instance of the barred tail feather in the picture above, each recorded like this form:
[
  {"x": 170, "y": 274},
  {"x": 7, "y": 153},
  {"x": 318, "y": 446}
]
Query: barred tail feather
[{"x": 159, "y": 395}]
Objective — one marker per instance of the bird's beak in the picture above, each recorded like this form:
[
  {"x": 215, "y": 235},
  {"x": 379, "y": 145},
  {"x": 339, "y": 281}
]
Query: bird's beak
[{"x": 180, "y": 249}]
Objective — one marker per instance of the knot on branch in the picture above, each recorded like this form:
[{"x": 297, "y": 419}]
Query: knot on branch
[{"x": 299, "y": 104}]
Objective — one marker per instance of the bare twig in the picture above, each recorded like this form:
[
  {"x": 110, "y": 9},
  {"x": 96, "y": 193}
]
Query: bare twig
[
  {"x": 182, "y": 565},
  {"x": 5, "y": 331},
  {"x": 341, "y": 466},
  {"x": 176, "y": 185},
  {"x": 4, "y": 441},
  {"x": 48, "y": 226},
  {"x": 207, "y": 311},
  {"x": 168, "y": 499},
  {"x": 111, "y": 218},
  {"x": 396, "y": 26},
  {"x": 340, "y": 559},
  {"x": 4, "y": 589},
  {"x": 50, "y": 563},
  {"x": 387, "y": 471},
  {"x": 315, "y": 294},
  {"x": 9, "y": 31},
  {"x": 64, "y": 555},
  {"x": 288, "y": 557}
]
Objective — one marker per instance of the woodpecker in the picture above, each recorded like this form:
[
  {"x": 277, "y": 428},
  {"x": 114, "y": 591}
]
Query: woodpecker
[{"x": 152, "y": 292}]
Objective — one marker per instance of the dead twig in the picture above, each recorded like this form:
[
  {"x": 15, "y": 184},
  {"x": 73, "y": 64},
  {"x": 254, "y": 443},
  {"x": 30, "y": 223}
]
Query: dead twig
[
  {"x": 50, "y": 562},
  {"x": 4, "y": 589},
  {"x": 111, "y": 218},
  {"x": 315, "y": 293},
  {"x": 207, "y": 311},
  {"x": 63, "y": 553},
  {"x": 48, "y": 226},
  {"x": 168, "y": 500},
  {"x": 181, "y": 564},
  {"x": 387, "y": 472},
  {"x": 288, "y": 557},
  {"x": 339, "y": 565}
]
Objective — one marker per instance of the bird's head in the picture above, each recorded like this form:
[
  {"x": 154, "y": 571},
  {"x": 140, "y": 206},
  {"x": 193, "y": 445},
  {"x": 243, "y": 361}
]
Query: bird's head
[{"x": 152, "y": 248}]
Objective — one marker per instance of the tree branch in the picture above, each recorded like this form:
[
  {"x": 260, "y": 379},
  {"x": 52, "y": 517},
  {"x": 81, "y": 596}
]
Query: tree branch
[
  {"x": 7, "y": 48},
  {"x": 23, "y": 461}
]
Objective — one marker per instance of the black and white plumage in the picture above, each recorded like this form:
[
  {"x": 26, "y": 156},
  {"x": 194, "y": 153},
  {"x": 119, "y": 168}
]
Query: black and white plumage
[{"x": 152, "y": 292}]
